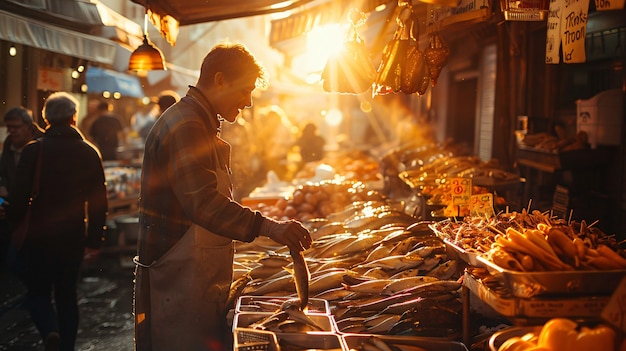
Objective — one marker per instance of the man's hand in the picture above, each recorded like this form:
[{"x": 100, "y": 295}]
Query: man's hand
[{"x": 290, "y": 233}]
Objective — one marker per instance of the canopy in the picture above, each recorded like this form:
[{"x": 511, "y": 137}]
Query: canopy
[
  {"x": 100, "y": 80},
  {"x": 200, "y": 11}
]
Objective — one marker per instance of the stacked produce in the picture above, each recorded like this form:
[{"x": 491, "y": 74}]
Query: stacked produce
[
  {"x": 352, "y": 166},
  {"x": 319, "y": 200}
]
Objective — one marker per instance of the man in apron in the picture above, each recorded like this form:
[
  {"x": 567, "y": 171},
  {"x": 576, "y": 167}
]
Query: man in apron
[{"x": 187, "y": 217}]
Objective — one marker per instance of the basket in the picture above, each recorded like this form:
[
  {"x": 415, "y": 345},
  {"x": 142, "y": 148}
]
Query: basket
[{"x": 246, "y": 339}]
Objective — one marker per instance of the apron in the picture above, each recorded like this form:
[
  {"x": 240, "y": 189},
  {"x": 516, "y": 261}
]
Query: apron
[{"x": 189, "y": 286}]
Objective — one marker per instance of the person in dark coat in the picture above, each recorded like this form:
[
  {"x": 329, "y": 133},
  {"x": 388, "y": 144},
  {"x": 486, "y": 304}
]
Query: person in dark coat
[
  {"x": 21, "y": 129},
  {"x": 67, "y": 220},
  {"x": 107, "y": 132}
]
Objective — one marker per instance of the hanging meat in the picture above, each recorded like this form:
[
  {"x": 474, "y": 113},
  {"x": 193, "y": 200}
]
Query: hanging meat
[
  {"x": 436, "y": 56},
  {"x": 403, "y": 67}
]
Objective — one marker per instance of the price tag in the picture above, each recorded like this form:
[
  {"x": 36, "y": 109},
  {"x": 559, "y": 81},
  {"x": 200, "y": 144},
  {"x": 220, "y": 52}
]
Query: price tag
[
  {"x": 614, "y": 312},
  {"x": 481, "y": 205},
  {"x": 460, "y": 190}
]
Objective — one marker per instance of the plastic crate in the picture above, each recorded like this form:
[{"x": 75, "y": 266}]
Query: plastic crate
[{"x": 246, "y": 339}]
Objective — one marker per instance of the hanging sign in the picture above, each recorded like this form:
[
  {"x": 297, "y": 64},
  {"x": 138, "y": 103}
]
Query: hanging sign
[
  {"x": 50, "y": 79},
  {"x": 606, "y": 5},
  {"x": 553, "y": 36},
  {"x": 573, "y": 30}
]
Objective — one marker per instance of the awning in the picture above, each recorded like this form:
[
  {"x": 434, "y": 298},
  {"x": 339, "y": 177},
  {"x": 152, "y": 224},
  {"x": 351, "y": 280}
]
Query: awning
[
  {"x": 22, "y": 30},
  {"x": 201, "y": 11},
  {"x": 99, "y": 80}
]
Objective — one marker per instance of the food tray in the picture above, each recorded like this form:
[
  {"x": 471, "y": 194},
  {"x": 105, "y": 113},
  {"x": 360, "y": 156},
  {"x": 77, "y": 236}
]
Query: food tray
[
  {"x": 539, "y": 308},
  {"x": 304, "y": 342},
  {"x": 270, "y": 304},
  {"x": 470, "y": 257},
  {"x": 254, "y": 340},
  {"x": 354, "y": 342},
  {"x": 246, "y": 319},
  {"x": 555, "y": 283},
  {"x": 498, "y": 338}
]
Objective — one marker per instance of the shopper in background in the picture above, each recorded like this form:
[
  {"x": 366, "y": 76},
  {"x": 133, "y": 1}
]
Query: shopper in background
[
  {"x": 107, "y": 131},
  {"x": 275, "y": 138},
  {"x": 21, "y": 129},
  {"x": 145, "y": 114},
  {"x": 311, "y": 144},
  {"x": 166, "y": 99},
  {"x": 94, "y": 109},
  {"x": 187, "y": 217},
  {"x": 67, "y": 220}
]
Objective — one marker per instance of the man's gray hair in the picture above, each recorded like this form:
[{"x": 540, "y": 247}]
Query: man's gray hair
[{"x": 60, "y": 108}]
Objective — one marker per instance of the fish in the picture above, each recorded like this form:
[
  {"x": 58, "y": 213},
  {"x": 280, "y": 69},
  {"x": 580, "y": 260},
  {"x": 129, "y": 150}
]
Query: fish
[
  {"x": 403, "y": 246},
  {"x": 445, "y": 270},
  {"x": 397, "y": 285},
  {"x": 368, "y": 287},
  {"x": 395, "y": 262},
  {"x": 361, "y": 243},
  {"x": 262, "y": 272},
  {"x": 301, "y": 276},
  {"x": 334, "y": 294},
  {"x": 282, "y": 283},
  {"x": 236, "y": 289},
  {"x": 432, "y": 288},
  {"x": 376, "y": 273},
  {"x": 330, "y": 280},
  {"x": 295, "y": 313},
  {"x": 383, "y": 326},
  {"x": 376, "y": 305},
  {"x": 379, "y": 252},
  {"x": 327, "y": 229}
]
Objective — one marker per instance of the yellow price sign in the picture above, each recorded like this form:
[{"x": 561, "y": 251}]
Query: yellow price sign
[
  {"x": 460, "y": 190},
  {"x": 481, "y": 205}
]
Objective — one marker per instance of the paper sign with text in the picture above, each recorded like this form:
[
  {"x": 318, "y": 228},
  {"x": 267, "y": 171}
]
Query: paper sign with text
[
  {"x": 460, "y": 190},
  {"x": 481, "y": 205},
  {"x": 606, "y": 5},
  {"x": 553, "y": 33},
  {"x": 573, "y": 30}
]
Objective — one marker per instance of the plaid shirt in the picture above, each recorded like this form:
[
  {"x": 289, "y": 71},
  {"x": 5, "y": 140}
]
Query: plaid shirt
[{"x": 179, "y": 185}]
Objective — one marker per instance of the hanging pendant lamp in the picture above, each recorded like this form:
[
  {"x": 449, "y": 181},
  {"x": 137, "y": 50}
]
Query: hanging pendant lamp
[{"x": 146, "y": 57}]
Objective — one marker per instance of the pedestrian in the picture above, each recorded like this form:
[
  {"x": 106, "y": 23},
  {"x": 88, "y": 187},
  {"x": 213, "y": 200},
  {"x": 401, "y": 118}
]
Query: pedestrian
[
  {"x": 94, "y": 109},
  {"x": 187, "y": 217},
  {"x": 66, "y": 220},
  {"x": 21, "y": 129},
  {"x": 311, "y": 144},
  {"x": 166, "y": 99},
  {"x": 107, "y": 131}
]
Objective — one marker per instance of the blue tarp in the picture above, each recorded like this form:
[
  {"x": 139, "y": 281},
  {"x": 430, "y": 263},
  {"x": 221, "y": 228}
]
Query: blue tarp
[{"x": 100, "y": 80}]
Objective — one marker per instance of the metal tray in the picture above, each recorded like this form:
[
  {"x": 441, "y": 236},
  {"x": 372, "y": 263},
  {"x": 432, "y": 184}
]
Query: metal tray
[
  {"x": 246, "y": 319},
  {"x": 354, "y": 342},
  {"x": 304, "y": 342},
  {"x": 530, "y": 284},
  {"x": 254, "y": 340},
  {"x": 470, "y": 257},
  {"x": 265, "y": 304}
]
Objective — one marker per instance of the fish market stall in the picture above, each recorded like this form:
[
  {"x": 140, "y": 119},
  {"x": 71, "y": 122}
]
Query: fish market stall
[{"x": 378, "y": 271}]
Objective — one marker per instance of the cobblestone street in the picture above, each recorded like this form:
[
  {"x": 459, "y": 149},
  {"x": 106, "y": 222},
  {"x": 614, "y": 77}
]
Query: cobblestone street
[{"x": 105, "y": 302}]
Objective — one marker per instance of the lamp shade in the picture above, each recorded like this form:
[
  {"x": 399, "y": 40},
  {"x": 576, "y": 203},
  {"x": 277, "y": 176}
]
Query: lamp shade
[{"x": 146, "y": 58}]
